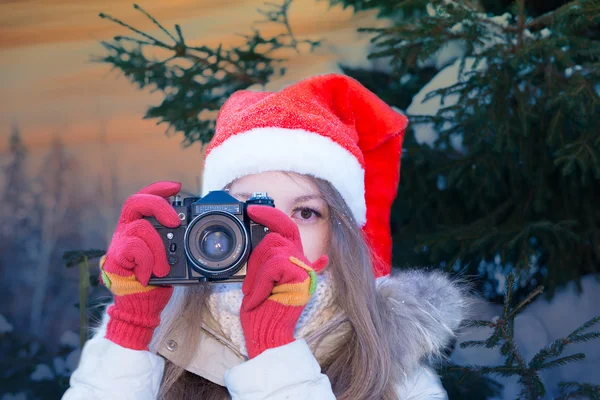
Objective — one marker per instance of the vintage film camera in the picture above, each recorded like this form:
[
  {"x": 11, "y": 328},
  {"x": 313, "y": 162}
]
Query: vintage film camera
[{"x": 214, "y": 240}]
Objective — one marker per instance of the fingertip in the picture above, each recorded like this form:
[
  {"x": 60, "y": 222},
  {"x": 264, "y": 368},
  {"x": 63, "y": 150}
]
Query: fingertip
[
  {"x": 253, "y": 211},
  {"x": 321, "y": 263},
  {"x": 250, "y": 302},
  {"x": 262, "y": 211},
  {"x": 154, "y": 186},
  {"x": 167, "y": 216},
  {"x": 245, "y": 288},
  {"x": 274, "y": 219},
  {"x": 175, "y": 186},
  {"x": 169, "y": 188},
  {"x": 174, "y": 222},
  {"x": 142, "y": 275},
  {"x": 162, "y": 188},
  {"x": 162, "y": 269}
]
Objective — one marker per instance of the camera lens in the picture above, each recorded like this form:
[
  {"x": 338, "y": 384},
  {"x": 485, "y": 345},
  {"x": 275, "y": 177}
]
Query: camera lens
[{"x": 216, "y": 243}]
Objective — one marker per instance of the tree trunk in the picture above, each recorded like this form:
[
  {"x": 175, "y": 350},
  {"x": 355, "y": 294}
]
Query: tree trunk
[{"x": 41, "y": 286}]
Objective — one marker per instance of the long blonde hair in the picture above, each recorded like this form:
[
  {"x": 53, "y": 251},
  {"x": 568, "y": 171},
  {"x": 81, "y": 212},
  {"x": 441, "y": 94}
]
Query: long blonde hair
[{"x": 359, "y": 367}]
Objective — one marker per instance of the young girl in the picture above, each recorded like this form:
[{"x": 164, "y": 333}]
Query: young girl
[{"x": 318, "y": 315}]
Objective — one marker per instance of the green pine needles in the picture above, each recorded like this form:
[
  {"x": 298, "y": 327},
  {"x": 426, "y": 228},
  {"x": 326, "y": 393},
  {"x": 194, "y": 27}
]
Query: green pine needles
[
  {"x": 196, "y": 80},
  {"x": 528, "y": 372},
  {"x": 521, "y": 187}
]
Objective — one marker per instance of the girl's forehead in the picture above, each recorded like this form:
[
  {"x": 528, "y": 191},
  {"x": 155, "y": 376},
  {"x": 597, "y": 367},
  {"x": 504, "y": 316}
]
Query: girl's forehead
[{"x": 275, "y": 184}]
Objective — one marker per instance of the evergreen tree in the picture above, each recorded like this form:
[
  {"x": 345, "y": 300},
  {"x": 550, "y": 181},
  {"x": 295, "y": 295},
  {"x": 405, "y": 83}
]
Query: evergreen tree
[
  {"x": 511, "y": 179},
  {"x": 57, "y": 215},
  {"x": 16, "y": 227},
  {"x": 14, "y": 206}
]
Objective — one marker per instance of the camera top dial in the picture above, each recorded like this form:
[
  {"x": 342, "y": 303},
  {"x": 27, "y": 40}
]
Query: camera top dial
[{"x": 260, "y": 198}]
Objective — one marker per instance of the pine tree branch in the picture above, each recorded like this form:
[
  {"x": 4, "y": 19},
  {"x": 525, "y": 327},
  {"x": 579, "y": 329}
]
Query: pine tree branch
[
  {"x": 576, "y": 390},
  {"x": 559, "y": 362},
  {"x": 473, "y": 343},
  {"x": 585, "y": 326},
  {"x": 478, "y": 324},
  {"x": 521, "y": 24},
  {"x": 554, "y": 349},
  {"x": 280, "y": 15},
  {"x": 73, "y": 258},
  {"x": 196, "y": 80},
  {"x": 151, "y": 18},
  {"x": 131, "y": 28},
  {"x": 508, "y": 292},
  {"x": 589, "y": 8},
  {"x": 498, "y": 370},
  {"x": 522, "y": 305},
  {"x": 179, "y": 34}
]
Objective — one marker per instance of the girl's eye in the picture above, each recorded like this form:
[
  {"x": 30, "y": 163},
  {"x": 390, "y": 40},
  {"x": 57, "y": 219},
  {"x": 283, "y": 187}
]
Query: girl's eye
[{"x": 306, "y": 214}]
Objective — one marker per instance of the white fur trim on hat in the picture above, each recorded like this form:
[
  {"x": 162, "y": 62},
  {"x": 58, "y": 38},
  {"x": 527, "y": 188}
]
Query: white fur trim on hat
[{"x": 291, "y": 150}]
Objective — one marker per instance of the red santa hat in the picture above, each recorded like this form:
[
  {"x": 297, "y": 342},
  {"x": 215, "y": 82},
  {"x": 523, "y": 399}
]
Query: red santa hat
[{"x": 330, "y": 127}]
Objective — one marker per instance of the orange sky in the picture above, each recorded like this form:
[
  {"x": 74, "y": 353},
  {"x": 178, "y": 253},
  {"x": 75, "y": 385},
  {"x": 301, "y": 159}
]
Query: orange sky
[{"x": 49, "y": 85}]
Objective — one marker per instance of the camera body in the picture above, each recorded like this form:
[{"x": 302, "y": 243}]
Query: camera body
[{"x": 214, "y": 240}]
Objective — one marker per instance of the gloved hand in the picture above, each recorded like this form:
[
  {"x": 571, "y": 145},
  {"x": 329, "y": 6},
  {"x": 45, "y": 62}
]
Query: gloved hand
[
  {"x": 134, "y": 254},
  {"x": 279, "y": 283}
]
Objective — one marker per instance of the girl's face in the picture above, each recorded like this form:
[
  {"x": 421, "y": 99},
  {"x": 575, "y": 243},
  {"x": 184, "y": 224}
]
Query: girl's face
[{"x": 297, "y": 197}]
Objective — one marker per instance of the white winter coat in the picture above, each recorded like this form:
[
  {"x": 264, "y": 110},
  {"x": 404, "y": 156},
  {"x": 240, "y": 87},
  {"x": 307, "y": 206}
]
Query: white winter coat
[{"x": 424, "y": 311}]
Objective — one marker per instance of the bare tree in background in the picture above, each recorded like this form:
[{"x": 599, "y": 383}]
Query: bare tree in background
[
  {"x": 107, "y": 197},
  {"x": 58, "y": 206},
  {"x": 15, "y": 200},
  {"x": 16, "y": 229}
]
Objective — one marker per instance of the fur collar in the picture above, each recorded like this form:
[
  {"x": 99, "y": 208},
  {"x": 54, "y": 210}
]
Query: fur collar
[{"x": 423, "y": 311}]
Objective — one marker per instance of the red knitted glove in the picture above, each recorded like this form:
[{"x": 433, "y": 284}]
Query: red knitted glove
[
  {"x": 135, "y": 253},
  {"x": 279, "y": 283}
]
